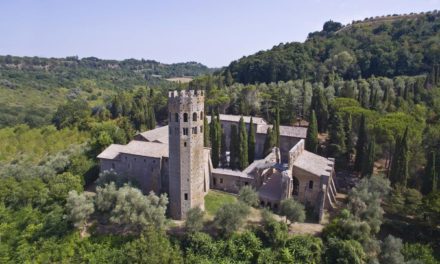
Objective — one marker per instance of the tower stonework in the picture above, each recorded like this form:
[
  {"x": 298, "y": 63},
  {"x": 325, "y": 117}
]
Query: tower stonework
[{"x": 186, "y": 152}]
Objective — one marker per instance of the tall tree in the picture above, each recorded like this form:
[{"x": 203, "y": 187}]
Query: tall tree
[
  {"x": 399, "y": 163},
  {"x": 361, "y": 144},
  {"x": 319, "y": 104},
  {"x": 312, "y": 134},
  {"x": 243, "y": 145},
  {"x": 251, "y": 142},
  {"x": 368, "y": 163},
  {"x": 228, "y": 78},
  {"x": 223, "y": 158},
  {"x": 348, "y": 128},
  {"x": 215, "y": 144},
  {"x": 337, "y": 133},
  {"x": 269, "y": 142},
  {"x": 206, "y": 134},
  {"x": 233, "y": 148},
  {"x": 431, "y": 177},
  {"x": 277, "y": 127}
]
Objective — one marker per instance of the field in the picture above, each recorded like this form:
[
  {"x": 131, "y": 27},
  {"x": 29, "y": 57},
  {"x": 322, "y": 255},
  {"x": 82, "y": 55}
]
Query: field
[{"x": 216, "y": 199}]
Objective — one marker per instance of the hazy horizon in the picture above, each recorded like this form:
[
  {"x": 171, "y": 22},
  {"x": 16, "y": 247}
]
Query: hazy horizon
[{"x": 208, "y": 32}]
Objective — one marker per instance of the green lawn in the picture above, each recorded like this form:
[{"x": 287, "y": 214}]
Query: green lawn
[{"x": 215, "y": 199}]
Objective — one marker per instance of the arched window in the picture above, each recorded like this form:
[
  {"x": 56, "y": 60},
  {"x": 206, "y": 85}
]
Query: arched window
[
  {"x": 310, "y": 185},
  {"x": 176, "y": 117},
  {"x": 195, "y": 117},
  {"x": 201, "y": 115},
  {"x": 185, "y": 117}
]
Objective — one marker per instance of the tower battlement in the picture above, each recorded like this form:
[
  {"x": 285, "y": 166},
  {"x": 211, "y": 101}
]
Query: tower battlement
[{"x": 186, "y": 93}]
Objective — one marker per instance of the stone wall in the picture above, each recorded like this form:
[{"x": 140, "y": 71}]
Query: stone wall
[
  {"x": 147, "y": 171},
  {"x": 229, "y": 181}
]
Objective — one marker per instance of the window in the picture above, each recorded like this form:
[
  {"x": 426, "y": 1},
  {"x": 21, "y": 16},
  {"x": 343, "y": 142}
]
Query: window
[
  {"x": 195, "y": 117},
  {"x": 186, "y": 196},
  {"x": 246, "y": 183},
  {"x": 201, "y": 129},
  {"x": 194, "y": 130},
  {"x": 310, "y": 185},
  {"x": 214, "y": 181},
  {"x": 185, "y": 117},
  {"x": 201, "y": 115},
  {"x": 221, "y": 180},
  {"x": 176, "y": 117},
  {"x": 184, "y": 144},
  {"x": 185, "y": 131}
]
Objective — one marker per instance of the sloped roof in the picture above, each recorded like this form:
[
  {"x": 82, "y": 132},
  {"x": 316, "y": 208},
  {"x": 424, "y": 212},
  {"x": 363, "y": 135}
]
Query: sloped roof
[
  {"x": 236, "y": 118},
  {"x": 286, "y": 131},
  {"x": 313, "y": 163},
  {"x": 159, "y": 135},
  {"x": 139, "y": 148}
]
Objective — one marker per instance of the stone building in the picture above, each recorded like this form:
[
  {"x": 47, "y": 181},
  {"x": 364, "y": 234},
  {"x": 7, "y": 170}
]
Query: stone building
[{"x": 172, "y": 159}]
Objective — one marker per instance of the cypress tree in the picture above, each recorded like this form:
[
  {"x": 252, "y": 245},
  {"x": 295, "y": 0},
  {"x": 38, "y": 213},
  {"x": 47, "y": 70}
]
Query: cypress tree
[
  {"x": 268, "y": 143},
  {"x": 337, "y": 133},
  {"x": 223, "y": 158},
  {"x": 277, "y": 127},
  {"x": 319, "y": 104},
  {"x": 251, "y": 142},
  {"x": 399, "y": 163},
  {"x": 243, "y": 145},
  {"x": 348, "y": 128},
  {"x": 219, "y": 131},
  {"x": 430, "y": 180},
  {"x": 206, "y": 134},
  {"x": 312, "y": 134},
  {"x": 233, "y": 148},
  {"x": 361, "y": 144},
  {"x": 368, "y": 164},
  {"x": 228, "y": 78},
  {"x": 215, "y": 144}
]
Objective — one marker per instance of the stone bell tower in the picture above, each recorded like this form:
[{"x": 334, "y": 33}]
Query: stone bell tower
[{"x": 186, "y": 152}]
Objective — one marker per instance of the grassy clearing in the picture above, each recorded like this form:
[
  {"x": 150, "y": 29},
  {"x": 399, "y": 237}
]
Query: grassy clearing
[{"x": 216, "y": 199}]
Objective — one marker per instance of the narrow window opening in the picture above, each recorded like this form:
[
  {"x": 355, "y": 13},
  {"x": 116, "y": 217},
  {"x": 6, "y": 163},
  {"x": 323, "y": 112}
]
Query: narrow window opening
[
  {"x": 186, "y": 196},
  {"x": 310, "y": 185},
  {"x": 194, "y": 116},
  {"x": 185, "y": 117}
]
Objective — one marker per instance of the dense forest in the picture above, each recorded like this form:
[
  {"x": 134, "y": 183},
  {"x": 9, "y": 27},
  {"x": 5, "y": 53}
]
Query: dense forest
[
  {"x": 32, "y": 87},
  {"x": 383, "y": 46},
  {"x": 370, "y": 92}
]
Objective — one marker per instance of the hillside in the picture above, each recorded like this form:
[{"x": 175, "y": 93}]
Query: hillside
[
  {"x": 32, "y": 87},
  {"x": 381, "y": 46}
]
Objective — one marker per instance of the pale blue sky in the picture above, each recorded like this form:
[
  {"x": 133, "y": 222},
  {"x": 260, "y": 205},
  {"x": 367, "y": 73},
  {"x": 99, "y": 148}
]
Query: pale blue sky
[{"x": 211, "y": 32}]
